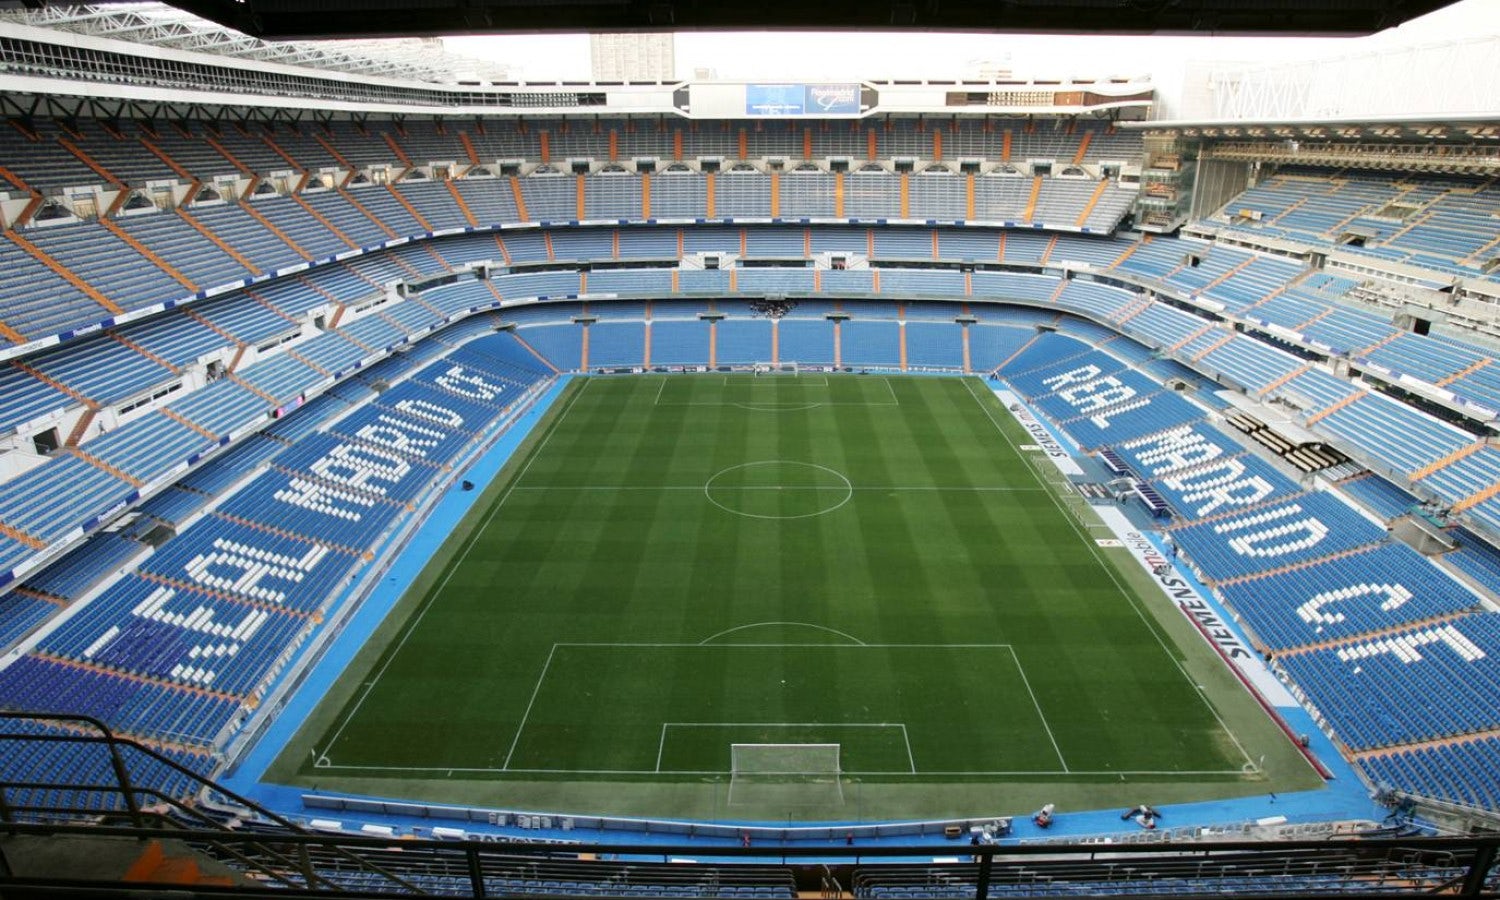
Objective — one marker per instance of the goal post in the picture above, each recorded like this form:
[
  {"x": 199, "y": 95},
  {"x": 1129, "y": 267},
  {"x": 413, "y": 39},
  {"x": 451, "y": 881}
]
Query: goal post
[
  {"x": 765, "y": 770},
  {"x": 775, "y": 368}
]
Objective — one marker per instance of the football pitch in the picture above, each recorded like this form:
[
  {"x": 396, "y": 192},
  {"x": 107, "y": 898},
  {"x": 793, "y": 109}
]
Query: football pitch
[{"x": 676, "y": 564}]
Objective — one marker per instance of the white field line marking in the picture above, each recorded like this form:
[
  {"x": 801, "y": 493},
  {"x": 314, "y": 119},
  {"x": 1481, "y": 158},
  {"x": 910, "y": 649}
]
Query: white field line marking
[
  {"x": 537, "y": 689},
  {"x": 775, "y": 487},
  {"x": 453, "y": 567},
  {"x": 851, "y": 637},
  {"x": 1109, "y": 570},
  {"x": 1038, "y": 706},
  {"x": 661, "y": 743},
  {"x": 1027, "y": 773}
]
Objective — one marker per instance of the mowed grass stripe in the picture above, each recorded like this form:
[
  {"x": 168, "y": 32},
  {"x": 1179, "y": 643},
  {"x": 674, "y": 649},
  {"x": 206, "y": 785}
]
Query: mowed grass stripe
[{"x": 565, "y": 560}]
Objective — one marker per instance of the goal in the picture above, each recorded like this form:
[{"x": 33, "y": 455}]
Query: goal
[
  {"x": 777, "y": 368},
  {"x": 785, "y": 772}
]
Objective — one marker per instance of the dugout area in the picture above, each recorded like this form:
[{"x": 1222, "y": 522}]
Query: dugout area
[{"x": 673, "y": 565}]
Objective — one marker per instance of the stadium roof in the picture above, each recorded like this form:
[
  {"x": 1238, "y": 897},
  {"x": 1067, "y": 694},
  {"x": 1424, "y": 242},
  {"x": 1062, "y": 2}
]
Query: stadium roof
[{"x": 281, "y": 19}]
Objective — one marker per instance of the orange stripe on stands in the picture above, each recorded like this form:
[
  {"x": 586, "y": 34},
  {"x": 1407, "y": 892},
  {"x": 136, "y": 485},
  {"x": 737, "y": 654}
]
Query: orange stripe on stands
[
  {"x": 271, "y": 307},
  {"x": 675, "y": 280},
  {"x": 967, "y": 368},
  {"x": 21, "y": 127},
  {"x": 1083, "y": 147},
  {"x": 646, "y": 346},
  {"x": 547, "y": 241},
  {"x": 504, "y": 250},
  {"x": 901, "y": 334},
  {"x": 935, "y": 244},
  {"x": 677, "y": 145},
  {"x": 583, "y": 282},
  {"x": 744, "y": 242},
  {"x": 224, "y": 152},
  {"x": 515, "y": 193},
  {"x": 409, "y": 208},
  {"x": 432, "y": 251},
  {"x": 817, "y": 279},
  {"x": 969, "y": 198},
  {"x": 333, "y": 152},
  {"x": 580, "y": 192},
  {"x": 871, "y": 144},
  {"x": 968, "y": 285},
  {"x": 159, "y": 360},
  {"x": 20, "y": 536},
  {"x": 65, "y": 273},
  {"x": 937, "y": 145},
  {"x": 390, "y": 142},
  {"x": 545, "y": 145},
  {"x": 583, "y": 351},
  {"x": 171, "y": 163},
  {"x": 275, "y": 147},
  {"x": 92, "y": 163},
  {"x": 1000, "y": 254},
  {"x": 806, "y": 243},
  {"x": 1477, "y": 498},
  {"x": 645, "y": 196},
  {"x": 180, "y": 419},
  {"x": 15, "y": 180},
  {"x": 870, "y": 242},
  {"x": 775, "y": 195},
  {"x": 1005, "y": 146},
  {"x": 713, "y": 344},
  {"x": 614, "y": 244},
  {"x": 10, "y": 334},
  {"x": 1465, "y": 371},
  {"x": 838, "y": 194},
  {"x": 103, "y": 466},
  {"x": 463, "y": 138},
  {"x": 1036, "y": 191},
  {"x": 1047, "y": 253},
  {"x": 807, "y": 143},
  {"x": 28, "y": 211},
  {"x": 1450, "y": 459},
  {"x": 875, "y": 280},
  {"x": 1093, "y": 199},
  {"x": 838, "y": 344},
  {"x": 255, "y": 214},
  {"x": 325, "y": 222},
  {"x": 253, "y": 389},
  {"x": 708, "y": 188},
  {"x": 776, "y": 341},
  {"x": 905, "y": 195},
  {"x": 1338, "y": 405},
  {"x": 349, "y": 198},
  {"x": 614, "y": 144},
  {"x": 734, "y": 280},
  {"x": 744, "y": 144},
  {"x": 463, "y": 207},
  {"x": 680, "y": 242}
]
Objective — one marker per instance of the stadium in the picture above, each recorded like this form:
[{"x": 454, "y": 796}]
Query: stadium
[{"x": 415, "y": 482}]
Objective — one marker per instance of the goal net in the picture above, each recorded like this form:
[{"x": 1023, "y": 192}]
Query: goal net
[
  {"x": 785, "y": 773},
  {"x": 777, "y": 368}
]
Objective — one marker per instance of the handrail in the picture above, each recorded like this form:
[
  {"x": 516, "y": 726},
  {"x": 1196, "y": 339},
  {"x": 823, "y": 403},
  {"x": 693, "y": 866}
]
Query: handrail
[{"x": 130, "y": 794}]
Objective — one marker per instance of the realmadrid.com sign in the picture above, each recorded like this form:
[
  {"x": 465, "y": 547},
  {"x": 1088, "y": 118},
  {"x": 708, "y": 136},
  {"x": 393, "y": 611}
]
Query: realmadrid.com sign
[{"x": 802, "y": 99}]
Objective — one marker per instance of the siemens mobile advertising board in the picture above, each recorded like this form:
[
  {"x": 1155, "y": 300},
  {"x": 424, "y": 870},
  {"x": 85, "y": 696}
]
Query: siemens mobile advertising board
[{"x": 801, "y": 100}]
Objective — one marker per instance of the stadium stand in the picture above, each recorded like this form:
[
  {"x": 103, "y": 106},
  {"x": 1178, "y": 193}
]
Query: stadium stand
[{"x": 279, "y": 423}]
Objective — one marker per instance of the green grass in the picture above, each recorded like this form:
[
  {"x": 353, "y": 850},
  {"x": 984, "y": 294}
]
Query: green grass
[{"x": 678, "y": 563}]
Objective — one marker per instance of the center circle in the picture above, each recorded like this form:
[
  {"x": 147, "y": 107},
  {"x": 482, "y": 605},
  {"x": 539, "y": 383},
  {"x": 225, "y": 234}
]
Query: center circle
[{"x": 778, "y": 489}]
